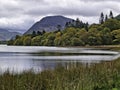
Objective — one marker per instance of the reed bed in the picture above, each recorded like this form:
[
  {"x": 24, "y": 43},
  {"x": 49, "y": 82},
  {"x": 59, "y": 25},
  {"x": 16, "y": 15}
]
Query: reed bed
[{"x": 73, "y": 76}]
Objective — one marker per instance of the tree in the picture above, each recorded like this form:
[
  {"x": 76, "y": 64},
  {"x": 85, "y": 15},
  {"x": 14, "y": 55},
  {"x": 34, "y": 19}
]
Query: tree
[
  {"x": 76, "y": 42},
  {"x": 36, "y": 41},
  {"x": 77, "y": 23},
  {"x": 58, "y": 34},
  {"x": 39, "y": 33},
  {"x": 17, "y": 36},
  {"x": 73, "y": 23},
  {"x": 43, "y": 32},
  {"x": 111, "y": 15},
  {"x": 106, "y": 18},
  {"x": 71, "y": 31},
  {"x": 101, "y": 18},
  {"x": 86, "y": 26},
  {"x": 66, "y": 39},
  {"x": 94, "y": 37},
  {"x": 33, "y": 34},
  {"x": 10, "y": 42},
  {"x": 82, "y": 34},
  {"x": 66, "y": 25},
  {"x": 58, "y": 41},
  {"x": 18, "y": 42},
  {"x": 112, "y": 24},
  {"x": 106, "y": 36},
  {"x": 116, "y": 36},
  {"x": 59, "y": 27},
  {"x": 51, "y": 36},
  {"x": 27, "y": 41}
]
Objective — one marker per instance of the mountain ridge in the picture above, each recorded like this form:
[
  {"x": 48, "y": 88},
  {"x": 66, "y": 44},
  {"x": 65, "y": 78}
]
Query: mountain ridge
[
  {"x": 49, "y": 23},
  {"x": 7, "y": 35}
]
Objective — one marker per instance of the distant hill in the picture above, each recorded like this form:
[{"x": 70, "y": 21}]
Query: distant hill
[
  {"x": 22, "y": 31},
  {"x": 7, "y": 35},
  {"x": 49, "y": 23}
]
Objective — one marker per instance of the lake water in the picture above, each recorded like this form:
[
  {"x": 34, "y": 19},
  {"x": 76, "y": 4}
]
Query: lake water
[{"x": 21, "y": 58}]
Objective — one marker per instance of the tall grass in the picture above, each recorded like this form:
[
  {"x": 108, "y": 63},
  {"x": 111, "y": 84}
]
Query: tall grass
[{"x": 75, "y": 76}]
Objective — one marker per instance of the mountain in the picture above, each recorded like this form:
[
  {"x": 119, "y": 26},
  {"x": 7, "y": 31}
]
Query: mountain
[
  {"x": 7, "y": 35},
  {"x": 22, "y": 31},
  {"x": 49, "y": 23}
]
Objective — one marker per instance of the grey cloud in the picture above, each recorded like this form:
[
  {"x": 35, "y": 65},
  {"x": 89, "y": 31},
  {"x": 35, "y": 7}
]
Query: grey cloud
[
  {"x": 9, "y": 10},
  {"x": 99, "y": 0},
  {"x": 32, "y": 2},
  {"x": 40, "y": 8},
  {"x": 63, "y": 11},
  {"x": 84, "y": 10}
]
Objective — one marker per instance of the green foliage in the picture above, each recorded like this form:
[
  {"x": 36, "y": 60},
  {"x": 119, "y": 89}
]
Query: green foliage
[
  {"x": 94, "y": 37},
  {"x": 77, "y": 42},
  {"x": 106, "y": 36},
  {"x": 10, "y": 42},
  {"x": 117, "y": 17},
  {"x": 116, "y": 36},
  {"x": 78, "y": 34},
  {"x": 36, "y": 41},
  {"x": 66, "y": 39},
  {"x": 57, "y": 41},
  {"x": 27, "y": 41},
  {"x": 18, "y": 42},
  {"x": 112, "y": 24},
  {"x": 77, "y": 24},
  {"x": 114, "y": 89}
]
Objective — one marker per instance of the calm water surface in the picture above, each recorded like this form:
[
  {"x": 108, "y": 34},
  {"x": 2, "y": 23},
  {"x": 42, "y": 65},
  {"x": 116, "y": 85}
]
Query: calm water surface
[{"x": 20, "y": 58}]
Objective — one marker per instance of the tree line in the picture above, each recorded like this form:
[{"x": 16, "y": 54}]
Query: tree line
[
  {"x": 105, "y": 33},
  {"x": 105, "y": 18}
]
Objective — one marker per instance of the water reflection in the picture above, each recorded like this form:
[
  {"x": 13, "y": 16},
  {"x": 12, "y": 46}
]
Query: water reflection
[{"x": 20, "y": 58}]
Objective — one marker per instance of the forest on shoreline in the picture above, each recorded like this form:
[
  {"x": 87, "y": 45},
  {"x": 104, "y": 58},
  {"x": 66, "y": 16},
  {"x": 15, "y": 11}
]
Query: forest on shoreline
[{"x": 76, "y": 33}]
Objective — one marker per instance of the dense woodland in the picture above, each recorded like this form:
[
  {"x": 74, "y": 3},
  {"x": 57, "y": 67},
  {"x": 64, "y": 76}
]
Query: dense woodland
[{"x": 76, "y": 33}]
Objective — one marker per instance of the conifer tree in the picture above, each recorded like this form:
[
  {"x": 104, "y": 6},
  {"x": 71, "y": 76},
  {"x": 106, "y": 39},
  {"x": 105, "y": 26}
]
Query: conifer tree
[
  {"x": 106, "y": 18},
  {"x": 43, "y": 31},
  {"x": 101, "y": 21},
  {"x": 77, "y": 22},
  {"x": 111, "y": 15},
  {"x": 59, "y": 27},
  {"x": 33, "y": 34}
]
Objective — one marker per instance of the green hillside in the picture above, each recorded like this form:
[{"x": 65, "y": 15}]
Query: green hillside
[{"x": 118, "y": 17}]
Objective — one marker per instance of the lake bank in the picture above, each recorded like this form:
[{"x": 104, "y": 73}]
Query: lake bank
[
  {"x": 109, "y": 47},
  {"x": 100, "y": 76}
]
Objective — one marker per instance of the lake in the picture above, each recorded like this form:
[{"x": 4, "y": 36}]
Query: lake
[{"x": 21, "y": 58}]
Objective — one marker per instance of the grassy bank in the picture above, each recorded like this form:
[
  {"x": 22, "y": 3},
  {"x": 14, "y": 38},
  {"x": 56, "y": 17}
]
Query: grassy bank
[
  {"x": 76, "y": 76},
  {"x": 108, "y": 47}
]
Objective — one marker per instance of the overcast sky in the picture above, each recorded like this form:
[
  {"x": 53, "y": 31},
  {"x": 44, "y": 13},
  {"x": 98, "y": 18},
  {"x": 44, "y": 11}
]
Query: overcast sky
[{"x": 24, "y": 13}]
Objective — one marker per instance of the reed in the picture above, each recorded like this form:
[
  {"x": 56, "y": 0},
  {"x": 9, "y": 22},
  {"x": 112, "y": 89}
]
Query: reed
[{"x": 73, "y": 76}]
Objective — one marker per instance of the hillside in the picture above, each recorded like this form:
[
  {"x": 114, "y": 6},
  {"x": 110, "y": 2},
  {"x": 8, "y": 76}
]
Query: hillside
[
  {"x": 7, "y": 35},
  {"x": 49, "y": 23},
  {"x": 118, "y": 17}
]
